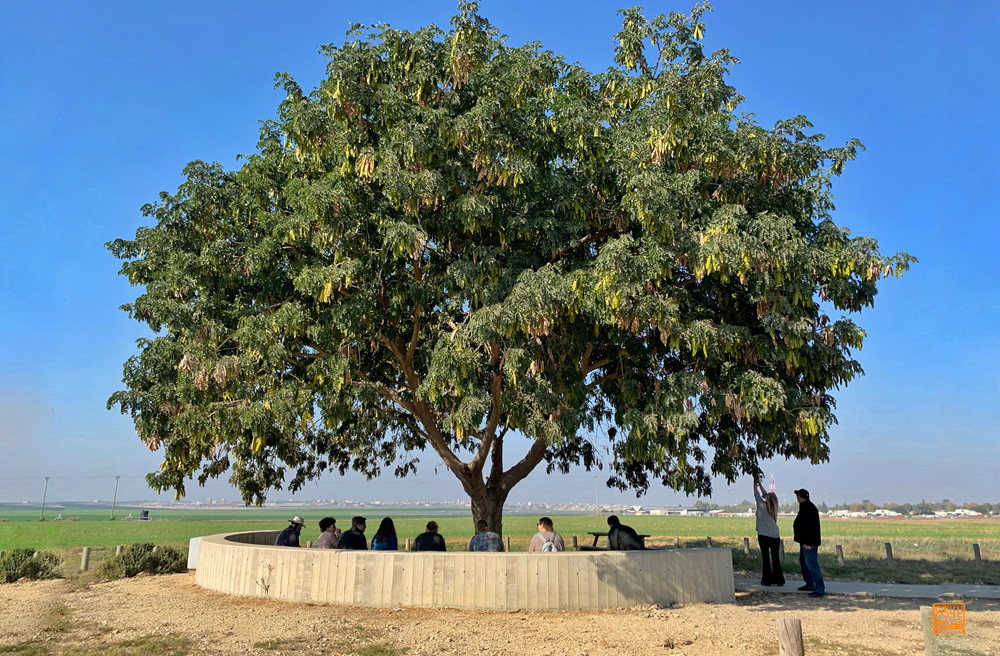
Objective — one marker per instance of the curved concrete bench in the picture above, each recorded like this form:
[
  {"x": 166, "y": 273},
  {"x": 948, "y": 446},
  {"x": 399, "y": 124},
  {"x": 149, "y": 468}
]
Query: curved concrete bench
[{"x": 246, "y": 564}]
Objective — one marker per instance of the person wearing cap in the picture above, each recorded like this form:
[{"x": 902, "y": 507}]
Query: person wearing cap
[
  {"x": 290, "y": 536},
  {"x": 806, "y": 532},
  {"x": 355, "y": 537},
  {"x": 429, "y": 540}
]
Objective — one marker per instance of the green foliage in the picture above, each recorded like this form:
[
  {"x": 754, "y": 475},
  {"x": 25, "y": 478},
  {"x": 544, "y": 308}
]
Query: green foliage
[
  {"x": 452, "y": 242},
  {"x": 136, "y": 558},
  {"x": 18, "y": 564}
]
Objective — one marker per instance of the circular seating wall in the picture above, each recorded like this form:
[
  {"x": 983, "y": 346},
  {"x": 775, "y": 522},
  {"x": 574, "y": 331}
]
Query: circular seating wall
[{"x": 246, "y": 564}]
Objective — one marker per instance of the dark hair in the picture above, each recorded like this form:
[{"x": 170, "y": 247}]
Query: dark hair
[
  {"x": 432, "y": 526},
  {"x": 385, "y": 529},
  {"x": 358, "y": 520},
  {"x": 326, "y": 523},
  {"x": 613, "y": 520},
  {"x": 546, "y": 522},
  {"x": 481, "y": 525}
]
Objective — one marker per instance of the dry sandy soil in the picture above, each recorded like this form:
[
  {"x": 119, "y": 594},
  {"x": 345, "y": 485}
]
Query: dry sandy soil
[{"x": 61, "y": 618}]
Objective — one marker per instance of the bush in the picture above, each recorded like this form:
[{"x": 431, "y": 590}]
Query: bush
[
  {"x": 140, "y": 557},
  {"x": 23, "y": 564}
]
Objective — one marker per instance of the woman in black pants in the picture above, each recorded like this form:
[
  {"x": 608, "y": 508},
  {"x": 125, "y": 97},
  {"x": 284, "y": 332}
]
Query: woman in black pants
[{"x": 768, "y": 535}]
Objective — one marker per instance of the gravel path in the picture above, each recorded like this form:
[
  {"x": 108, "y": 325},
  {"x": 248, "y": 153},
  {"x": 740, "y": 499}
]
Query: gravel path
[{"x": 108, "y": 613}]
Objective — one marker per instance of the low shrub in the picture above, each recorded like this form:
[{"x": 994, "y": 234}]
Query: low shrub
[
  {"x": 140, "y": 557},
  {"x": 18, "y": 564}
]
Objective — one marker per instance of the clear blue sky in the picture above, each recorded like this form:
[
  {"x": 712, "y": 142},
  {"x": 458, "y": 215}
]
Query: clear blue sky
[{"x": 102, "y": 104}]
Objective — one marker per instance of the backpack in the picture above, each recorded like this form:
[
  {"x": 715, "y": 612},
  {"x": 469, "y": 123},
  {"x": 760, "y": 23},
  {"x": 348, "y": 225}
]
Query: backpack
[{"x": 549, "y": 545}]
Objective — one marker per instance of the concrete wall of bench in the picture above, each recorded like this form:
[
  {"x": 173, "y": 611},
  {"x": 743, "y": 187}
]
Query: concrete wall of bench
[{"x": 245, "y": 564}]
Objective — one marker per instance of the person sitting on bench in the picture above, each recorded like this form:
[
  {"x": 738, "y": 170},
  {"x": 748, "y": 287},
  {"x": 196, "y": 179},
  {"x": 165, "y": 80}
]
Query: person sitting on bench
[{"x": 621, "y": 537}]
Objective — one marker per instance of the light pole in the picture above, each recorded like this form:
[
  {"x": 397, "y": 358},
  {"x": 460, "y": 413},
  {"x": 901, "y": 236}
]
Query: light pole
[
  {"x": 44, "y": 494},
  {"x": 597, "y": 509},
  {"x": 115, "y": 500}
]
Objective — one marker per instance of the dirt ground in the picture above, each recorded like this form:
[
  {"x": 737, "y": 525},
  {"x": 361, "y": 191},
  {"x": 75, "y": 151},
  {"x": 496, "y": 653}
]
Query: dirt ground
[{"x": 59, "y": 615}]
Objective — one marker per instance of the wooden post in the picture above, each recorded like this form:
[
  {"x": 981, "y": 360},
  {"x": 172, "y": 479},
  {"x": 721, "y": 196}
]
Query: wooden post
[
  {"x": 677, "y": 543},
  {"x": 790, "y": 638},
  {"x": 576, "y": 546},
  {"x": 888, "y": 554},
  {"x": 85, "y": 560},
  {"x": 119, "y": 549},
  {"x": 407, "y": 544},
  {"x": 309, "y": 544},
  {"x": 927, "y": 620},
  {"x": 781, "y": 549},
  {"x": 840, "y": 554},
  {"x": 746, "y": 546},
  {"x": 508, "y": 544},
  {"x": 709, "y": 541},
  {"x": 979, "y": 556}
]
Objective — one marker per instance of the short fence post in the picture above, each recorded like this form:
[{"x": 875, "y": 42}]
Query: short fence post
[
  {"x": 508, "y": 544},
  {"x": 840, "y": 554},
  {"x": 746, "y": 546},
  {"x": 575, "y": 545},
  {"x": 85, "y": 560},
  {"x": 790, "y": 638},
  {"x": 119, "y": 549},
  {"x": 781, "y": 549},
  {"x": 709, "y": 541},
  {"x": 309, "y": 544},
  {"x": 888, "y": 554},
  {"x": 407, "y": 544},
  {"x": 927, "y": 620},
  {"x": 677, "y": 543},
  {"x": 979, "y": 556}
]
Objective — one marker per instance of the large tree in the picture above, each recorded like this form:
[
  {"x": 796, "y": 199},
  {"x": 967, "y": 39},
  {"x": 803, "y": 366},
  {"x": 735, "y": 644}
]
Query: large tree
[{"x": 455, "y": 243}]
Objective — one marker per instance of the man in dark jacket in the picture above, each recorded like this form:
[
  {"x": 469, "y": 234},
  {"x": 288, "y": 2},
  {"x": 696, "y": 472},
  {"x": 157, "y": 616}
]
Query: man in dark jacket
[
  {"x": 621, "y": 537},
  {"x": 806, "y": 533},
  {"x": 355, "y": 537},
  {"x": 290, "y": 536},
  {"x": 431, "y": 540}
]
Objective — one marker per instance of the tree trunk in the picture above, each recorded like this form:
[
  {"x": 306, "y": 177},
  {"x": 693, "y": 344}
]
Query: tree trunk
[{"x": 487, "y": 504}]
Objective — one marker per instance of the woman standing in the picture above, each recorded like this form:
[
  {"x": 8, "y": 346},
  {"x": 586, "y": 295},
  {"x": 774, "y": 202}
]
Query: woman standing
[
  {"x": 385, "y": 537},
  {"x": 768, "y": 535}
]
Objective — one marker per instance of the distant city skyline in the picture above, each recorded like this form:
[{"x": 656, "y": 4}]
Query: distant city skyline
[{"x": 105, "y": 103}]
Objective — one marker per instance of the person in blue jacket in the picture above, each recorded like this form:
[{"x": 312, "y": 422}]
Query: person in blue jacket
[{"x": 385, "y": 537}]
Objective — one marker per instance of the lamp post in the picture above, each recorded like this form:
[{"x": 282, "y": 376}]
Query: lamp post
[
  {"x": 115, "y": 499},
  {"x": 597, "y": 508},
  {"x": 44, "y": 494}
]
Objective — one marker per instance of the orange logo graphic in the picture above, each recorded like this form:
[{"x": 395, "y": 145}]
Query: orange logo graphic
[{"x": 948, "y": 618}]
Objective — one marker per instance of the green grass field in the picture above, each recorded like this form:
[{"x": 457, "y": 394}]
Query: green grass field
[{"x": 925, "y": 551}]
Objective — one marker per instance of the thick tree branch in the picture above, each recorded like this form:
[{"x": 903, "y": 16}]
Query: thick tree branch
[{"x": 516, "y": 474}]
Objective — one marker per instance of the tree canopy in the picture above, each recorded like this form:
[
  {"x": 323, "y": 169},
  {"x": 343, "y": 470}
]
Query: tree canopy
[{"x": 452, "y": 243}]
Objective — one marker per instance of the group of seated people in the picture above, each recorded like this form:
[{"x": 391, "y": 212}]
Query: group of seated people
[{"x": 620, "y": 537}]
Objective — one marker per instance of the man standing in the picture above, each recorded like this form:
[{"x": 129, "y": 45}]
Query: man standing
[
  {"x": 546, "y": 539},
  {"x": 621, "y": 537},
  {"x": 290, "y": 536},
  {"x": 806, "y": 533},
  {"x": 355, "y": 537}
]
